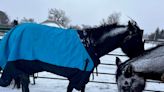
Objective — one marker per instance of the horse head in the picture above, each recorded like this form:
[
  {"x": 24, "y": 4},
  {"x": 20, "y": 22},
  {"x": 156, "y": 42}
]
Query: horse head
[
  {"x": 109, "y": 37},
  {"x": 127, "y": 79},
  {"x": 132, "y": 44}
]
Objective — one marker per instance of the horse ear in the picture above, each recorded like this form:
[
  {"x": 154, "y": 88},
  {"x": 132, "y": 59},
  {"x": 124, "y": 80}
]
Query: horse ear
[
  {"x": 129, "y": 23},
  {"x": 129, "y": 71},
  {"x": 118, "y": 61},
  {"x": 141, "y": 32},
  {"x": 130, "y": 26}
]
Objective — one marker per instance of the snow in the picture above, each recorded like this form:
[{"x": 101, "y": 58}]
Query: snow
[
  {"x": 113, "y": 33},
  {"x": 53, "y": 25},
  {"x": 1, "y": 37},
  {"x": 52, "y": 85}
]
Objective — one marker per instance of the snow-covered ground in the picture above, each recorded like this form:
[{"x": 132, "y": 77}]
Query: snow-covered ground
[{"x": 50, "y": 85}]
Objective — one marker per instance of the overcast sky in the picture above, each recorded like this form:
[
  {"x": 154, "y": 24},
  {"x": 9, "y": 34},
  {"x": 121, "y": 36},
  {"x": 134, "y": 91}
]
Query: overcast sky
[{"x": 149, "y": 14}]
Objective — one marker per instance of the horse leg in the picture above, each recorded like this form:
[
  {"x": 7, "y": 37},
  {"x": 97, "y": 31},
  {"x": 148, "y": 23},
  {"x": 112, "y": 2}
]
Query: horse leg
[
  {"x": 33, "y": 76},
  {"x": 11, "y": 72},
  {"x": 69, "y": 88},
  {"x": 22, "y": 79},
  {"x": 83, "y": 89},
  {"x": 25, "y": 82}
]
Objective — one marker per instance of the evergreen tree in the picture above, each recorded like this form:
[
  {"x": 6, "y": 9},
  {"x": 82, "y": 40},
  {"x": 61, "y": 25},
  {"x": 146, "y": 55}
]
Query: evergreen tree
[{"x": 4, "y": 20}]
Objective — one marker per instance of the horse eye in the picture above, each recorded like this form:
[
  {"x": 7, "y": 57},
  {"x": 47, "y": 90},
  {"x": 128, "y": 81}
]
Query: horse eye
[
  {"x": 130, "y": 32},
  {"x": 133, "y": 80},
  {"x": 123, "y": 72}
]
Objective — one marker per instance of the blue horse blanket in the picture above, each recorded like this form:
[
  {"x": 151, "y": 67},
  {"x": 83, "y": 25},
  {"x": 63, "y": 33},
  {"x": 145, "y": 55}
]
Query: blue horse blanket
[{"x": 60, "y": 47}]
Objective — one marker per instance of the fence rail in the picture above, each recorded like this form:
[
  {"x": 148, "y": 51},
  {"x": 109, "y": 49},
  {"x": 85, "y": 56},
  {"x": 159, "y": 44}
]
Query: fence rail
[
  {"x": 3, "y": 29},
  {"x": 103, "y": 73}
]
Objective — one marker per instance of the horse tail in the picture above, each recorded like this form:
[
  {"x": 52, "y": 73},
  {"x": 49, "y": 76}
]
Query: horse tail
[{"x": 22, "y": 79}]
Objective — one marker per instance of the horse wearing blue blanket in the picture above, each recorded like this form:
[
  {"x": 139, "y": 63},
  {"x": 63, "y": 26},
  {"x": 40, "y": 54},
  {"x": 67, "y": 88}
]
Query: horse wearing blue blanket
[{"x": 30, "y": 48}]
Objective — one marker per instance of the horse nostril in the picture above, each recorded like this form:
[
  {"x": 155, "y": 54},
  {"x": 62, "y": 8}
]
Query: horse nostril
[{"x": 126, "y": 83}]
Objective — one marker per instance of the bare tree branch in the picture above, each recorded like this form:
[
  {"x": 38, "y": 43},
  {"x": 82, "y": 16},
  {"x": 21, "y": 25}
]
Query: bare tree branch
[
  {"x": 114, "y": 18},
  {"x": 27, "y": 20},
  {"x": 59, "y": 17}
]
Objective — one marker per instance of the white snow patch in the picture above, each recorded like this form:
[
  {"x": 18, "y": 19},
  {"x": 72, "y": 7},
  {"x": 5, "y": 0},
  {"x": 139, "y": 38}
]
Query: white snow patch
[
  {"x": 52, "y": 25},
  {"x": 113, "y": 32}
]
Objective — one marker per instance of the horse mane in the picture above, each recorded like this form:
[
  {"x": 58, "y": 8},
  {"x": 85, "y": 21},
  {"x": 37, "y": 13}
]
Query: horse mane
[
  {"x": 98, "y": 31},
  {"x": 102, "y": 27}
]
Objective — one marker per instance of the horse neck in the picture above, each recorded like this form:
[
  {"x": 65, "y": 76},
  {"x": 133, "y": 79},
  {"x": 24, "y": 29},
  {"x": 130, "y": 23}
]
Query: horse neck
[{"x": 108, "y": 39}]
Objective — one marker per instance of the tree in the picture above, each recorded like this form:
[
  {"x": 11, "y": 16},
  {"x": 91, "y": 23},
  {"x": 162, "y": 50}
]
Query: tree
[
  {"x": 85, "y": 26},
  {"x": 4, "y": 18},
  {"x": 75, "y": 27},
  {"x": 162, "y": 33},
  {"x": 156, "y": 35},
  {"x": 27, "y": 20},
  {"x": 151, "y": 36},
  {"x": 59, "y": 17},
  {"x": 114, "y": 18}
]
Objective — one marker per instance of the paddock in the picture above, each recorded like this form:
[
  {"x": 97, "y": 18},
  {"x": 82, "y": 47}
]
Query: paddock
[{"x": 104, "y": 82}]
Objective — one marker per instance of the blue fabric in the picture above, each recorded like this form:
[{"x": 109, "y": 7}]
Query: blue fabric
[{"x": 61, "y": 47}]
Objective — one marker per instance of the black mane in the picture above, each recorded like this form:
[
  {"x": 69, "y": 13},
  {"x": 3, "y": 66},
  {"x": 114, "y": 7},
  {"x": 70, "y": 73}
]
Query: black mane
[
  {"x": 109, "y": 26},
  {"x": 103, "y": 28},
  {"x": 97, "y": 32}
]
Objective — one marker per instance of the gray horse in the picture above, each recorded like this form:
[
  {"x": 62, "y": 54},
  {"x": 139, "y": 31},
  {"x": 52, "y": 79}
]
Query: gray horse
[{"x": 132, "y": 74}]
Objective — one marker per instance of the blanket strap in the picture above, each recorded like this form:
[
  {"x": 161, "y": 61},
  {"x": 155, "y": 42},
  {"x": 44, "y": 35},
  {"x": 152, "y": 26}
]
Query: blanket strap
[
  {"x": 93, "y": 77},
  {"x": 96, "y": 71},
  {"x": 86, "y": 64}
]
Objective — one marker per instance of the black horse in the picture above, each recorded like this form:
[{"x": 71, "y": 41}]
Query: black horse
[{"x": 97, "y": 41}]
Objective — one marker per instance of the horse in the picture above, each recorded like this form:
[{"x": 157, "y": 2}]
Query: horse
[
  {"x": 94, "y": 43},
  {"x": 132, "y": 74}
]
